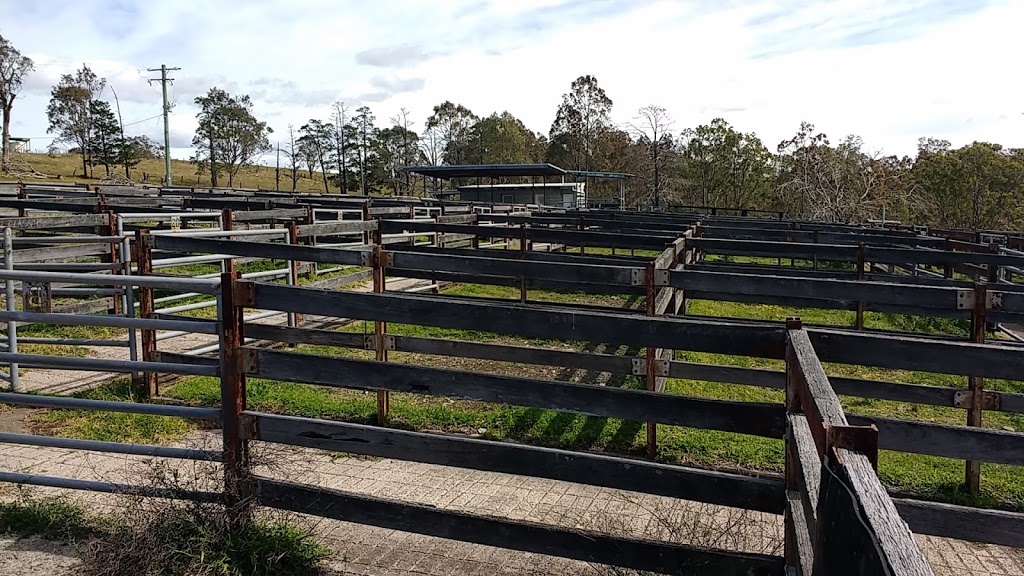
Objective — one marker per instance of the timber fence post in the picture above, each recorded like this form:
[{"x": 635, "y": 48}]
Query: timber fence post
[
  {"x": 976, "y": 384},
  {"x": 379, "y": 262}
]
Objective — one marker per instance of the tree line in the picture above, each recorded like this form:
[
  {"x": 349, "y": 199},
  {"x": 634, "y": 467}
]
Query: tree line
[{"x": 980, "y": 185}]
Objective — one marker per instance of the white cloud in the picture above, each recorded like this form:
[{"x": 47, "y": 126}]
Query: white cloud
[{"x": 888, "y": 70}]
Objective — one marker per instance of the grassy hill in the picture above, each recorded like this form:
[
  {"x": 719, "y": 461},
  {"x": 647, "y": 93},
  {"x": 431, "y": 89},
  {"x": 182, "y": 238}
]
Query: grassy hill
[{"x": 69, "y": 168}]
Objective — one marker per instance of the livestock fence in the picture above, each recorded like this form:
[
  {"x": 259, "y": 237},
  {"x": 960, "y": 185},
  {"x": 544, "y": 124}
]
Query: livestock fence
[{"x": 839, "y": 518}]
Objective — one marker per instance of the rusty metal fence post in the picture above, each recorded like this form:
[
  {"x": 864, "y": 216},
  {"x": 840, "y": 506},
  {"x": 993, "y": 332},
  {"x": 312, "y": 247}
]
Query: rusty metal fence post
[
  {"x": 652, "y": 355},
  {"x": 237, "y": 471}
]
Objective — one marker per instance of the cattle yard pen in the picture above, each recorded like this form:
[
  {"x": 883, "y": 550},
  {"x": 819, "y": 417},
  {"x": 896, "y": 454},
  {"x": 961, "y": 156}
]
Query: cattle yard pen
[{"x": 225, "y": 264}]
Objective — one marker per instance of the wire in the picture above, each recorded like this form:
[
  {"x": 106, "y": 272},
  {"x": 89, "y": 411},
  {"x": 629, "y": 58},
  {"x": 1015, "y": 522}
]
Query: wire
[
  {"x": 146, "y": 120},
  {"x": 863, "y": 522}
]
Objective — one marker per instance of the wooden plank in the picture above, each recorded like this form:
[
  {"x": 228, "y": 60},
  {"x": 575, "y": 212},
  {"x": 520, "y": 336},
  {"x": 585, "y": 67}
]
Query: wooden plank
[
  {"x": 531, "y": 322},
  {"x": 595, "y": 259},
  {"x": 304, "y": 336},
  {"x": 938, "y": 258},
  {"x": 963, "y": 522},
  {"x": 807, "y": 468},
  {"x": 830, "y": 252},
  {"x": 264, "y": 215},
  {"x": 844, "y": 291},
  {"x": 860, "y": 532},
  {"x": 721, "y": 488},
  {"x": 913, "y": 353},
  {"x": 342, "y": 227},
  {"x": 519, "y": 354},
  {"x": 50, "y": 222},
  {"x": 265, "y": 250},
  {"x": 608, "y": 275},
  {"x": 517, "y": 535},
  {"x": 538, "y": 283},
  {"x": 757, "y": 419},
  {"x": 173, "y": 358},
  {"x": 817, "y": 397},
  {"x": 457, "y": 218},
  {"x": 800, "y": 532},
  {"x": 947, "y": 440},
  {"x": 60, "y": 252},
  {"x": 343, "y": 280}
]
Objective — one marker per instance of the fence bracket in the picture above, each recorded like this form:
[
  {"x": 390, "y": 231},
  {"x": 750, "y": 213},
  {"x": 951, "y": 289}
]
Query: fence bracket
[
  {"x": 244, "y": 293},
  {"x": 965, "y": 300},
  {"x": 249, "y": 427},
  {"x": 639, "y": 366},
  {"x": 861, "y": 439},
  {"x": 661, "y": 277},
  {"x": 248, "y": 361},
  {"x": 989, "y": 400},
  {"x": 366, "y": 258},
  {"x": 637, "y": 278}
]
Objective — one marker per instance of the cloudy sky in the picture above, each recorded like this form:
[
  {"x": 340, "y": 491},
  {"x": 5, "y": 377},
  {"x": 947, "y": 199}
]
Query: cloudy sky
[{"x": 888, "y": 70}]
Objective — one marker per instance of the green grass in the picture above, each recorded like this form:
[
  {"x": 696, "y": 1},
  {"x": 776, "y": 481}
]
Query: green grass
[
  {"x": 50, "y": 518},
  {"x": 112, "y": 426}
]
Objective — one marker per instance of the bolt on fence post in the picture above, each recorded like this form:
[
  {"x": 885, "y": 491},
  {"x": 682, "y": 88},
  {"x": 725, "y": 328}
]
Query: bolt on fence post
[
  {"x": 147, "y": 308},
  {"x": 976, "y": 384},
  {"x": 237, "y": 471},
  {"x": 12, "y": 306}
]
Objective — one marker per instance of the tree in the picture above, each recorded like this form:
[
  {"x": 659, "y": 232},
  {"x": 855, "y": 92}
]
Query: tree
[
  {"x": 69, "y": 111},
  {"x": 720, "y": 166},
  {"x": 836, "y": 184},
  {"x": 228, "y": 135},
  {"x": 294, "y": 157},
  {"x": 394, "y": 145},
  {"x": 13, "y": 69},
  {"x": 585, "y": 112},
  {"x": 317, "y": 138},
  {"x": 651, "y": 126},
  {"x": 104, "y": 135},
  {"x": 977, "y": 186},
  {"x": 502, "y": 139},
  {"x": 453, "y": 123},
  {"x": 409, "y": 153},
  {"x": 342, "y": 143},
  {"x": 366, "y": 137},
  {"x": 135, "y": 149}
]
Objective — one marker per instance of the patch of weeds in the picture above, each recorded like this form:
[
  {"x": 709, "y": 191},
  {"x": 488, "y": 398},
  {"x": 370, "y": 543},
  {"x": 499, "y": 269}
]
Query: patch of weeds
[
  {"x": 200, "y": 540},
  {"x": 50, "y": 518},
  {"x": 112, "y": 426}
]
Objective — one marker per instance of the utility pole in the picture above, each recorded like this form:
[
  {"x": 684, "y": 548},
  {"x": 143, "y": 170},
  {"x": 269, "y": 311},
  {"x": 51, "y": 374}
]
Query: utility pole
[{"x": 163, "y": 69}]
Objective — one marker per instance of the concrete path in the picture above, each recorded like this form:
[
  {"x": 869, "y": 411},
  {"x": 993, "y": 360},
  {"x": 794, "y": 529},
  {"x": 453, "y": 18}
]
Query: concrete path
[{"x": 367, "y": 550}]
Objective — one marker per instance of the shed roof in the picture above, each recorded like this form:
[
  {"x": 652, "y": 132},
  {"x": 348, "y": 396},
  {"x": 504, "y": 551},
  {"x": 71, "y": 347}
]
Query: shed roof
[{"x": 486, "y": 170}]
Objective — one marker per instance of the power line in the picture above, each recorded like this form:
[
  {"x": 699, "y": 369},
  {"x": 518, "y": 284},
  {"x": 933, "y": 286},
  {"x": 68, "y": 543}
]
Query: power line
[
  {"x": 163, "y": 69},
  {"x": 145, "y": 120}
]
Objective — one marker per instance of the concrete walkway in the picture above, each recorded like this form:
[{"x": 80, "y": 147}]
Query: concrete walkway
[{"x": 367, "y": 550}]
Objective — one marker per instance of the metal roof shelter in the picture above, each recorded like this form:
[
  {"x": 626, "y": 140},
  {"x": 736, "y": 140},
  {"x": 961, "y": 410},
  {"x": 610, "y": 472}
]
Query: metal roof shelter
[
  {"x": 487, "y": 171},
  {"x": 533, "y": 171}
]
